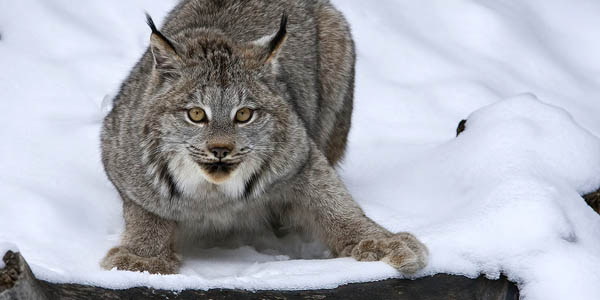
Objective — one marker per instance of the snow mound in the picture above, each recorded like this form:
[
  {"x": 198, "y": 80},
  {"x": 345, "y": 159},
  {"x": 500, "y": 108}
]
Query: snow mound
[{"x": 503, "y": 197}]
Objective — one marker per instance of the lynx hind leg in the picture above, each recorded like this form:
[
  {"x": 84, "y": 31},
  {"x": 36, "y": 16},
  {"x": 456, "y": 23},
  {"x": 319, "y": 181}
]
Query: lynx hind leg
[
  {"x": 402, "y": 251},
  {"x": 336, "y": 77}
]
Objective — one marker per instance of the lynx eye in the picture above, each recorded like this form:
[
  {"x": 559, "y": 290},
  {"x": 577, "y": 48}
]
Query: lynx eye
[
  {"x": 197, "y": 115},
  {"x": 243, "y": 115}
]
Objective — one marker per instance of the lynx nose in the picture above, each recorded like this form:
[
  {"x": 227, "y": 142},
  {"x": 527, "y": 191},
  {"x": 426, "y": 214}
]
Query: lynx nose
[{"x": 220, "y": 152}]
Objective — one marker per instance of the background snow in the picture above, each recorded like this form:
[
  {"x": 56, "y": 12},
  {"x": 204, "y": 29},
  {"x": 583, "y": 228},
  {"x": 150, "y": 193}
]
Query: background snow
[{"x": 502, "y": 197}]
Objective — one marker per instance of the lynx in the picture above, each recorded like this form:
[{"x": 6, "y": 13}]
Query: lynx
[{"x": 234, "y": 119}]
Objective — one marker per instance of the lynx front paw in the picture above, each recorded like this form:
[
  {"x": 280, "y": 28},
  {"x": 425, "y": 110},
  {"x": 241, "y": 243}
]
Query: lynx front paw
[
  {"x": 403, "y": 251},
  {"x": 123, "y": 259}
]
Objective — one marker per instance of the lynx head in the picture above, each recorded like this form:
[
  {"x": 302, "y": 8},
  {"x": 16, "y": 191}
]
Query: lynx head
[{"x": 212, "y": 110}]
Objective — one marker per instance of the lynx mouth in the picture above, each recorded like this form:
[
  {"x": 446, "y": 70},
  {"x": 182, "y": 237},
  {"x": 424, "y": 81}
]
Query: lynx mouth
[
  {"x": 220, "y": 166},
  {"x": 218, "y": 172}
]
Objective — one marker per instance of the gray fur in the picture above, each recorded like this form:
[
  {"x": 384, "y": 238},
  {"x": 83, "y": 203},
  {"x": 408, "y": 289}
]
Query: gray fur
[{"x": 222, "y": 56}]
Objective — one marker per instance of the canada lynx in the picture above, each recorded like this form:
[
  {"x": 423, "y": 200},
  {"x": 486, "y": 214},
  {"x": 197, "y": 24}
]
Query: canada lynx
[{"x": 234, "y": 119}]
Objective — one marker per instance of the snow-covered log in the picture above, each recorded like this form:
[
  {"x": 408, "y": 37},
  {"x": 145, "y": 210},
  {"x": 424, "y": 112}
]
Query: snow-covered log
[{"x": 17, "y": 282}]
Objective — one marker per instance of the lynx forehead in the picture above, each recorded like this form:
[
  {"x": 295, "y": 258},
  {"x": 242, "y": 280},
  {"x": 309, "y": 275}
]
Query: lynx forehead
[{"x": 233, "y": 121}]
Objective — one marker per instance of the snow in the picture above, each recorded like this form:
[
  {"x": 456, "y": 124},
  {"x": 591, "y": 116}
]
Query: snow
[{"x": 502, "y": 198}]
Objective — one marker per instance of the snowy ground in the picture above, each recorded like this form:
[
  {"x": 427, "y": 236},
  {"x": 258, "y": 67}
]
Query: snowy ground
[{"x": 501, "y": 198}]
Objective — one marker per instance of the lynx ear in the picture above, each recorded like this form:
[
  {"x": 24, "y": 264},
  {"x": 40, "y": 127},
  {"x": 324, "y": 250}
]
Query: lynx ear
[
  {"x": 274, "y": 45},
  {"x": 265, "y": 50},
  {"x": 163, "y": 50}
]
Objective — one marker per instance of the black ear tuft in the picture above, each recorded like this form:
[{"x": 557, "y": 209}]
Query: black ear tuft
[
  {"x": 163, "y": 50},
  {"x": 264, "y": 51},
  {"x": 159, "y": 34},
  {"x": 280, "y": 36},
  {"x": 150, "y": 23}
]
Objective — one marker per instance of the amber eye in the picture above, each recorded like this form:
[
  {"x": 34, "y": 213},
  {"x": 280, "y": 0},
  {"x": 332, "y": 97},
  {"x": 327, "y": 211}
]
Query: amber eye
[
  {"x": 197, "y": 115},
  {"x": 244, "y": 115}
]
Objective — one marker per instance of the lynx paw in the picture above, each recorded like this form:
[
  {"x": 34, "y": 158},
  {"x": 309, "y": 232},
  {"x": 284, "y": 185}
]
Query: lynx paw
[
  {"x": 402, "y": 251},
  {"x": 123, "y": 259}
]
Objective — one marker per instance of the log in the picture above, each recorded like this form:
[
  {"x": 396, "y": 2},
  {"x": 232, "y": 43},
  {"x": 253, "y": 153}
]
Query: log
[{"x": 17, "y": 282}]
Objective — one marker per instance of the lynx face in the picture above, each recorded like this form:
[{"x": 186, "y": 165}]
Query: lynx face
[
  {"x": 219, "y": 132},
  {"x": 214, "y": 114}
]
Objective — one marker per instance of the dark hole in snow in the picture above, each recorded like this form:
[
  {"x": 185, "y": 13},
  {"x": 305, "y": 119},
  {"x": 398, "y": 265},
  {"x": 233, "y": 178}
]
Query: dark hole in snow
[
  {"x": 593, "y": 200},
  {"x": 462, "y": 125}
]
